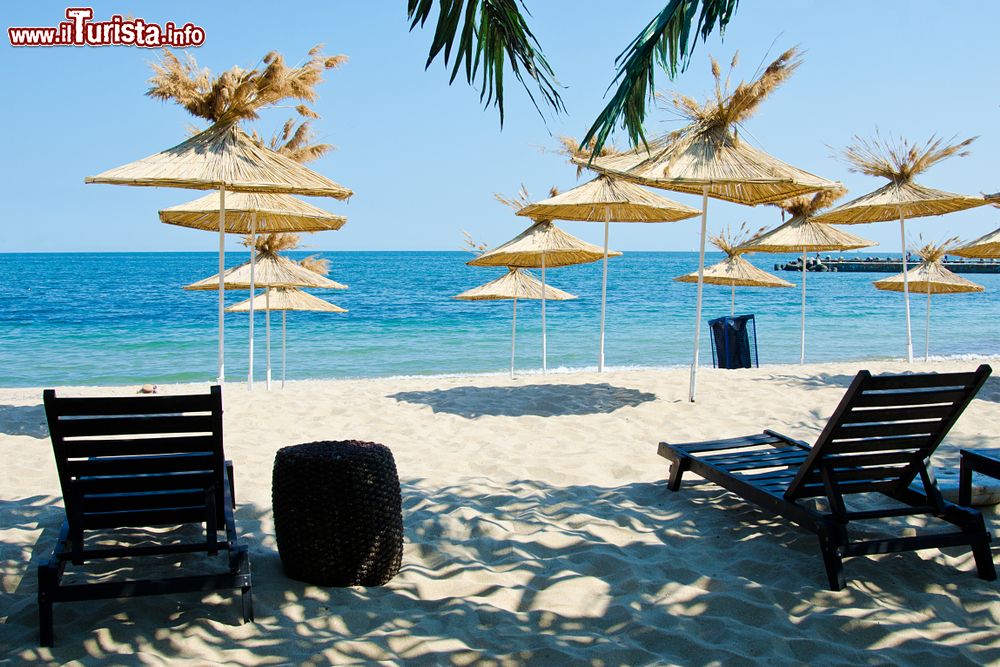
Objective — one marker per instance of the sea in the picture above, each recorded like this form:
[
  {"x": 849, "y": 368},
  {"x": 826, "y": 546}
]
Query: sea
[{"x": 123, "y": 318}]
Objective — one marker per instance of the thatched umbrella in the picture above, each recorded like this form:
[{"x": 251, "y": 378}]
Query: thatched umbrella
[
  {"x": 250, "y": 213},
  {"x": 987, "y": 246},
  {"x": 272, "y": 270},
  {"x": 515, "y": 284},
  {"x": 901, "y": 198},
  {"x": 931, "y": 277},
  {"x": 283, "y": 299},
  {"x": 223, "y": 158},
  {"x": 607, "y": 200},
  {"x": 733, "y": 271},
  {"x": 708, "y": 158},
  {"x": 802, "y": 234},
  {"x": 542, "y": 245}
]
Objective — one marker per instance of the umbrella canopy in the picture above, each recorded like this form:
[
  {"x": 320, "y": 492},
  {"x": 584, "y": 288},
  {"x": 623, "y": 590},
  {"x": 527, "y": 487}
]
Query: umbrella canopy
[
  {"x": 271, "y": 271},
  {"x": 252, "y": 212},
  {"x": 542, "y": 244},
  {"x": 223, "y": 156},
  {"x": 708, "y": 158},
  {"x": 286, "y": 298},
  {"x": 932, "y": 278},
  {"x": 515, "y": 284},
  {"x": 605, "y": 199},
  {"x": 283, "y": 299},
  {"x": 801, "y": 234},
  {"x": 901, "y": 198},
  {"x": 984, "y": 246},
  {"x": 735, "y": 272}
]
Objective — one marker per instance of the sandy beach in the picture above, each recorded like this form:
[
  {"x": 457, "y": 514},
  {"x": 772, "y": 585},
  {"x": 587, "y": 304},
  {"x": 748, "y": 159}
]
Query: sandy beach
[{"x": 538, "y": 530}]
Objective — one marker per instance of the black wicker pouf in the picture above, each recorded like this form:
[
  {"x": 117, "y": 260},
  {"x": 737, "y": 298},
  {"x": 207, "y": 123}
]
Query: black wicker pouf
[{"x": 338, "y": 515}]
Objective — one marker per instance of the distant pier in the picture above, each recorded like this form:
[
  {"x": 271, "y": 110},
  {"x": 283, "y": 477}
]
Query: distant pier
[{"x": 885, "y": 265}]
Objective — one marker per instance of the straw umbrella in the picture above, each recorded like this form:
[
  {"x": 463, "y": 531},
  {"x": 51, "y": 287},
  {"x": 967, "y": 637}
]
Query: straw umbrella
[
  {"x": 733, "y": 271},
  {"x": 283, "y": 299},
  {"x": 802, "y": 234},
  {"x": 272, "y": 270},
  {"x": 708, "y": 158},
  {"x": 226, "y": 159},
  {"x": 901, "y": 198},
  {"x": 987, "y": 246},
  {"x": 513, "y": 285},
  {"x": 542, "y": 245},
  {"x": 250, "y": 213},
  {"x": 607, "y": 200},
  {"x": 932, "y": 277}
]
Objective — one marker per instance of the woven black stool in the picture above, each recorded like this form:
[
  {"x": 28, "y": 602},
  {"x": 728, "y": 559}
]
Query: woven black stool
[{"x": 338, "y": 515}]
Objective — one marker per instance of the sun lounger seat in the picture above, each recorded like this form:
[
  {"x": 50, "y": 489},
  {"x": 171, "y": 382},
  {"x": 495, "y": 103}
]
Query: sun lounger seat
[
  {"x": 137, "y": 462},
  {"x": 877, "y": 442}
]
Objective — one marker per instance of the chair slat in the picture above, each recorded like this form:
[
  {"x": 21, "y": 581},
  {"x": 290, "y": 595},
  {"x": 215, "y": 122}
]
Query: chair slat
[
  {"x": 141, "y": 465},
  {"x": 920, "y": 381},
  {"x": 916, "y": 442},
  {"x": 140, "y": 484},
  {"x": 176, "y": 444},
  {"x": 143, "y": 518},
  {"x": 142, "y": 501},
  {"x": 133, "y": 405},
  {"x": 901, "y": 398},
  {"x": 854, "y": 432},
  {"x": 136, "y": 425},
  {"x": 894, "y": 414}
]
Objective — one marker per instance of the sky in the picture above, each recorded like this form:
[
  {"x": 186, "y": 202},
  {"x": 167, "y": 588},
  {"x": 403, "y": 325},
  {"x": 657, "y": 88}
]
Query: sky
[{"x": 424, "y": 158}]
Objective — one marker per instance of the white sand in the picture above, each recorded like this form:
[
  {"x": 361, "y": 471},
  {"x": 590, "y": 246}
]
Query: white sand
[{"x": 538, "y": 529}]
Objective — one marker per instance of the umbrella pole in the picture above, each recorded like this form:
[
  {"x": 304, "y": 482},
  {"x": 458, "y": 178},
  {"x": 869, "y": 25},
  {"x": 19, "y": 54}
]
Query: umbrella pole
[
  {"x": 732, "y": 301},
  {"x": 604, "y": 296},
  {"x": 253, "y": 266},
  {"x": 701, "y": 284},
  {"x": 544, "y": 352},
  {"x": 267, "y": 331},
  {"x": 906, "y": 288},
  {"x": 802, "y": 336},
  {"x": 222, "y": 284},
  {"x": 283, "y": 313},
  {"x": 513, "y": 339},
  {"x": 927, "y": 326}
]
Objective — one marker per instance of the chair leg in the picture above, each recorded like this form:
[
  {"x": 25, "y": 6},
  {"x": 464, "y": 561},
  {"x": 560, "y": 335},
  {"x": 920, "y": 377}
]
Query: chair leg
[
  {"x": 985, "y": 569},
  {"x": 46, "y": 581},
  {"x": 677, "y": 470},
  {"x": 965, "y": 483},
  {"x": 246, "y": 595},
  {"x": 832, "y": 561}
]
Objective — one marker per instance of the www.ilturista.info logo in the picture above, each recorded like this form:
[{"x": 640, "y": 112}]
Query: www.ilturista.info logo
[{"x": 79, "y": 30}]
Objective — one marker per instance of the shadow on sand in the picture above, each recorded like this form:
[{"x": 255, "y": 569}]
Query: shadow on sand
[
  {"x": 23, "y": 420},
  {"x": 541, "y": 400}
]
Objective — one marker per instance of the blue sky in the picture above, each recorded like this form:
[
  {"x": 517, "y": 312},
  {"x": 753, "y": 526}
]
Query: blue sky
[{"x": 425, "y": 158}]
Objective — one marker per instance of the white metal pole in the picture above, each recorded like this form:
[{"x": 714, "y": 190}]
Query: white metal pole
[
  {"x": 253, "y": 286},
  {"x": 906, "y": 288},
  {"x": 283, "y": 313},
  {"x": 604, "y": 296},
  {"x": 513, "y": 339},
  {"x": 544, "y": 351},
  {"x": 267, "y": 332},
  {"x": 927, "y": 327},
  {"x": 701, "y": 283},
  {"x": 732, "y": 301},
  {"x": 222, "y": 284},
  {"x": 802, "y": 337}
]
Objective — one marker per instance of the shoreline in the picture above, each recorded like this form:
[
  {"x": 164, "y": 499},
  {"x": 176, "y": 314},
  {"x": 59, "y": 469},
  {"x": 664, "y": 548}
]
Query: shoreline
[{"x": 535, "y": 507}]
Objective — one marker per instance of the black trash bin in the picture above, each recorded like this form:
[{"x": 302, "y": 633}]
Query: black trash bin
[{"x": 731, "y": 344}]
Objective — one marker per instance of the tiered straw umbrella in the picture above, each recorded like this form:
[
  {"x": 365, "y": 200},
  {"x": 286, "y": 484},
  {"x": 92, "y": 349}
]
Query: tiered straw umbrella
[
  {"x": 987, "y": 246},
  {"x": 283, "y": 299},
  {"x": 542, "y": 245},
  {"x": 802, "y": 234},
  {"x": 931, "y": 277},
  {"x": 733, "y": 271},
  {"x": 707, "y": 158},
  {"x": 902, "y": 197},
  {"x": 513, "y": 285},
  {"x": 607, "y": 200},
  {"x": 272, "y": 270},
  {"x": 249, "y": 213},
  {"x": 226, "y": 159}
]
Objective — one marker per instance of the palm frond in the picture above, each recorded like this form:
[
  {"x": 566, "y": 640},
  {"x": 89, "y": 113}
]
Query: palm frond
[
  {"x": 898, "y": 159},
  {"x": 485, "y": 35},
  {"x": 666, "y": 40}
]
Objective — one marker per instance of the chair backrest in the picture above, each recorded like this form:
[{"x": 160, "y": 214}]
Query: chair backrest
[
  {"x": 138, "y": 461},
  {"x": 883, "y": 430}
]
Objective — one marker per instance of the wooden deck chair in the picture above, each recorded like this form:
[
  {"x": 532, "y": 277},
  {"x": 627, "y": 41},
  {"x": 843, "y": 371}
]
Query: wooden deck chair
[
  {"x": 136, "y": 462},
  {"x": 878, "y": 441}
]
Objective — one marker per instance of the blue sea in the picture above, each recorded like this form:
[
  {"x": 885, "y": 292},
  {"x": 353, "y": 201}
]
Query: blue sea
[{"x": 122, "y": 318}]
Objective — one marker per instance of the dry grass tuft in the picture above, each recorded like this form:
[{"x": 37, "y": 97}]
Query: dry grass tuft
[
  {"x": 809, "y": 205},
  {"x": 897, "y": 159},
  {"x": 316, "y": 264},
  {"x": 729, "y": 241},
  {"x": 518, "y": 201},
  {"x": 933, "y": 252},
  {"x": 473, "y": 246},
  {"x": 571, "y": 149},
  {"x": 272, "y": 244}
]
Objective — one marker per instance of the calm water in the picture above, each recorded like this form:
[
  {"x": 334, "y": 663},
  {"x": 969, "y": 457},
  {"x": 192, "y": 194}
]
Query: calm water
[{"x": 120, "y": 318}]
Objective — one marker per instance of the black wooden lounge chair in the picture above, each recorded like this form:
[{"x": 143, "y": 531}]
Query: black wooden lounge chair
[
  {"x": 877, "y": 441},
  {"x": 136, "y": 462}
]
